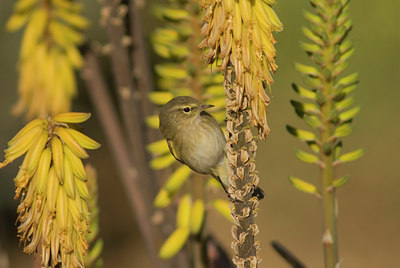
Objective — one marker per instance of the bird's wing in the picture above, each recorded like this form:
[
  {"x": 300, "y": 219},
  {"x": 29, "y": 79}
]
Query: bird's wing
[{"x": 173, "y": 151}]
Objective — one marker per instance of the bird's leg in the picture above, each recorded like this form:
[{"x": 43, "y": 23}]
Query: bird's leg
[{"x": 226, "y": 190}]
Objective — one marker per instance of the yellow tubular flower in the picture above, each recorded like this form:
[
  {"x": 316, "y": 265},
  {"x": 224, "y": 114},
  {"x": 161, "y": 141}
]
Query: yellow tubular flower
[{"x": 52, "y": 181}]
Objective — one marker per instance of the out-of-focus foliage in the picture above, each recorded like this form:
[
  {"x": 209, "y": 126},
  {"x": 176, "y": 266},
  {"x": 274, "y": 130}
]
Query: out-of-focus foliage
[
  {"x": 327, "y": 100},
  {"x": 49, "y": 54},
  {"x": 93, "y": 258},
  {"x": 182, "y": 73},
  {"x": 327, "y": 109}
]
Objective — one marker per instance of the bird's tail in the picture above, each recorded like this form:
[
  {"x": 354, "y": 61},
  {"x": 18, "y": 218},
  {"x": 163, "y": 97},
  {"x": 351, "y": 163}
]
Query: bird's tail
[{"x": 259, "y": 193}]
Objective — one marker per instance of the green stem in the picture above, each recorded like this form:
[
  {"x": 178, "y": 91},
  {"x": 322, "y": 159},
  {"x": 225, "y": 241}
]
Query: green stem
[
  {"x": 329, "y": 237},
  {"x": 327, "y": 176},
  {"x": 329, "y": 215}
]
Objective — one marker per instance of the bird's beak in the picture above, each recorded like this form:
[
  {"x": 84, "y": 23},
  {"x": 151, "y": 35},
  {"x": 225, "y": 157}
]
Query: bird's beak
[{"x": 206, "y": 106}]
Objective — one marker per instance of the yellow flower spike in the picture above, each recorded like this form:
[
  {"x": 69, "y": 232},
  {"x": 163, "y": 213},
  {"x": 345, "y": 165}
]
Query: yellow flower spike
[
  {"x": 213, "y": 184},
  {"x": 71, "y": 142},
  {"x": 83, "y": 140},
  {"x": 24, "y": 5},
  {"x": 184, "y": 212},
  {"x": 160, "y": 98},
  {"x": 222, "y": 206},
  {"x": 177, "y": 179},
  {"x": 50, "y": 40},
  {"x": 152, "y": 121},
  {"x": 74, "y": 57},
  {"x": 32, "y": 32},
  {"x": 76, "y": 164},
  {"x": 67, "y": 76},
  {"x": 158, "y": 147},
  {"x": 57, "y": 150},
  {"x": 74, "y": 19},
  {"x": 72, "y": 117},
  {"x": 197, "y": 217},
  {"x": 43, "y": 171},
  {"x": 68, "y": 5},
  {"x": 162, "y": 162},
  {"x": 69, "y": 182},
  {"x": 162, "y": 199},
  {"x": 174, "y": 243},
  {"x": 251, "y": 53},
  {"x": 53, "y": 209},
  {"x": 95, "y": 251}
]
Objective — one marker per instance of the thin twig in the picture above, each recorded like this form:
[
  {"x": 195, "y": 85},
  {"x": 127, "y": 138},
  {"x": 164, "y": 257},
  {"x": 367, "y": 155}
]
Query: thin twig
[
  {"x": 127, "y": 171},
  {"x": 287, "y": 255}
]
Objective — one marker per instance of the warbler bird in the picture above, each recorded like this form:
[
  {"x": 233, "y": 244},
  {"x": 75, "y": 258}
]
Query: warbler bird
[{"x": 195, "y": 139}]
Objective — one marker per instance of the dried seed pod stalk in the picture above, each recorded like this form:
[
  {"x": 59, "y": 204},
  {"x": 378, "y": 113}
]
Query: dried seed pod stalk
[
  {"x": 238, "y": 35},
  {"x": 241, "y": 152}
]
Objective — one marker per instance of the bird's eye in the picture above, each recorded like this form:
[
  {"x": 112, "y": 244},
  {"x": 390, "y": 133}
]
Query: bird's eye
[{"x": 186, "y": 109}]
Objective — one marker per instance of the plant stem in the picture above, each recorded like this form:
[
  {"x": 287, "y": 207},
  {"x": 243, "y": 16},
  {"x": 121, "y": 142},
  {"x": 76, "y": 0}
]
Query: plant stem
[
  {"x": 329, "y": 238},
  {"x": 141, "y": 67},
  {"x": 113, "y": 131},
  {"x": 329, "y": 214},
  {"x": 125, "y": 89},
  {"x": 327, "y": 191},
  {"x": 241, "y": 152}
]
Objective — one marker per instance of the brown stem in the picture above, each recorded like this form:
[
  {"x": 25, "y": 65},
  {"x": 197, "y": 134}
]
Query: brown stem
[
  {"x": 127, "y": 169},
  {"x": 143, "y": 78},
  {"x": 241, "y": 152},
  {"x": 125, "y": 89},
  {"x": 141, "y": 67}
]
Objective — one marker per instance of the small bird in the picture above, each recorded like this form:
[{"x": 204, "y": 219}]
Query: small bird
[{"x": 195, "y": 138}]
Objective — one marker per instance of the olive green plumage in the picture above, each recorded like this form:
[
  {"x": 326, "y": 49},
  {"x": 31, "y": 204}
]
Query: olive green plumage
[{"x": 195, "y": 138}]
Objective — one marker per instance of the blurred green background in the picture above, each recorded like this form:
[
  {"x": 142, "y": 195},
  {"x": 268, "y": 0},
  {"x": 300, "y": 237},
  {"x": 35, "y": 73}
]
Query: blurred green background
[{"x": 369, "y": 214}]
